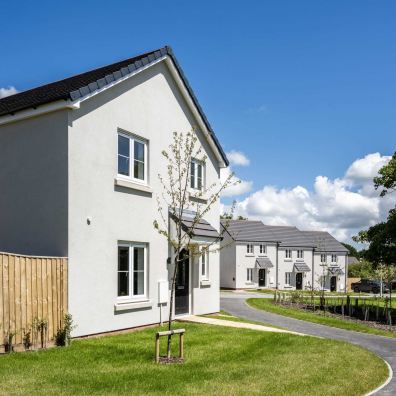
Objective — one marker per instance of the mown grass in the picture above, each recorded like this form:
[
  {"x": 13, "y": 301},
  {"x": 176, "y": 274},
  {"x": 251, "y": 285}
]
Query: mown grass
[
  {"x": 318, "y": 317},
  {"x": 219, "y": 360}
]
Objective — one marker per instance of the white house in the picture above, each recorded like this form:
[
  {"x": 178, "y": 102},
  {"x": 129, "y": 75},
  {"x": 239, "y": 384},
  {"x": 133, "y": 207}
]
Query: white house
[
  {"x": 255, "y": 255},
  {"x": 79, "y": 160}
]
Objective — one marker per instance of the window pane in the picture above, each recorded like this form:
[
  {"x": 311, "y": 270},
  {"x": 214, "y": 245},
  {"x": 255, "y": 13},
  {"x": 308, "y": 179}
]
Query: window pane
[
  {"x": 123, "y": 165},
  {"x": 138, "y": 172},
  {"x": 123, "y": 258},
  {"x": 138, "y": 259},
  {"x": 123, "y": 146},
  {"x": 192, "y": 174},
  {"x": 139, "y": 151},
  {"x": 138, "y": 271},
  {"x": 138, "y": 283},
  {"x": 123, "y": 284}
]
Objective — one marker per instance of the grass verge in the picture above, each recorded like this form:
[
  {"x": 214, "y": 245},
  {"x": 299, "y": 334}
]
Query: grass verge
[
  {"x": 269, "y": 306},
  {"x": 221, "y": 361}
]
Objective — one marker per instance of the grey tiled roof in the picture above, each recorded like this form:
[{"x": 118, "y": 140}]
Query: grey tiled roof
[
  {"x": 286, "y": 236},
  {"x": 325, "y": 242},
  {"x": 200, "y": 229},
  {"x": 78, "y": 86}
]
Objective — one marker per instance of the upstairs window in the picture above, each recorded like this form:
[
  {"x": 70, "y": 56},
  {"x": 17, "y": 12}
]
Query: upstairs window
[
  {"x": 300, "y": 254},
  {"x": 263, "y": 249},
  {"x": 132, "y": 154},
  {"x": 322, "y": 258},
  {"x": 334, "y": 258},
  {"x": 288, "y": 253},
  {"x": 196, "y": 175},
  {"x": 249, "y": 248}
]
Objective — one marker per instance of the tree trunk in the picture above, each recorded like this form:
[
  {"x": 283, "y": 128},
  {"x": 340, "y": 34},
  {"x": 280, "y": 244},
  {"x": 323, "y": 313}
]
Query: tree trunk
[{"x": 169, "y": 345}]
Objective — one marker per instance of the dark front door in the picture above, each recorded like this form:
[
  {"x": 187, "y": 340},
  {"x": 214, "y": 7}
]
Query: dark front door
[
  {"x": 261, "y": 277},
  {"x": 182, "y": 285},
  {"x": 333, "y": 283},
  {"x": 299, "y": 277}
]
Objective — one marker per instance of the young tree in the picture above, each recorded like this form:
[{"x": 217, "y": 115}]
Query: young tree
[
  {"x": 387, "y": 274},
  {"x": 179, "y": 198}
]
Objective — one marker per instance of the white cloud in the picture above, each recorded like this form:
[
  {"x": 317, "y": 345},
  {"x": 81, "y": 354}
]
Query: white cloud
[
  {"x": 237, "y": 158},
  {"x": 7, "y": 92},
  {"x": 240, "y": 188},
  {"x": 342, "y": 206}
]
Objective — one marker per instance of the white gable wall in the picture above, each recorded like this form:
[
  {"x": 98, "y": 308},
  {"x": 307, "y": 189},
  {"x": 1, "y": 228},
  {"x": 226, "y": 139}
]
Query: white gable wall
[{"x": 148, "y": 105}]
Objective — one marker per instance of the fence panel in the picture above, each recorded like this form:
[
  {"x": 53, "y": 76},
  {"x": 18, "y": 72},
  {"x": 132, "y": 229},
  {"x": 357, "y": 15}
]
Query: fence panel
[{"x": 31, "y": 288}]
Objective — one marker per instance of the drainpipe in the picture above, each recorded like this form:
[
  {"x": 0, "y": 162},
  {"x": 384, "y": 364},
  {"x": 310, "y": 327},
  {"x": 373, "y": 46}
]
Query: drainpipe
[
  {"x": 313, "y": 268},
  {"x": 276, "y": 265},
  {"x": 346, "y": 272}
]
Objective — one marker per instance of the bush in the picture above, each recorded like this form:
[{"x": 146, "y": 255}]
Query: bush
[{"x": 63, "y": 335}]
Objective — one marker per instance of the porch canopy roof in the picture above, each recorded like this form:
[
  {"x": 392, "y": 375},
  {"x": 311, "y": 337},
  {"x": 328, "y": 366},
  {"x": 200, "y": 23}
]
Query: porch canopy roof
[
  {"x": 301, "y": 267},
  {"x": 263, "y": 262},
  {"x": 200, "y": 229},
  {"x": 335, "y": 269}
]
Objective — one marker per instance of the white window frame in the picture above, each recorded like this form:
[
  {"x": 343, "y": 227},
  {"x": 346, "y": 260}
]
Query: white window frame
[
  {"x": 249, "y": 275},
  {"x": 204, "y": 263},
  {"x": 194, "y": 185},
  {"x": 263, "y": 249},
  {"x": 249, "y": 248},
  {"x": 132, "y": 139},
  {"x": 323, "y": 258},
  {"x": 300, "y": 254},
  {"x": 288, "y": 276},
  {"x": 131, "y": 296},
  {"x": 334, "y": 258},
  {"x": 288, "y": 253}
]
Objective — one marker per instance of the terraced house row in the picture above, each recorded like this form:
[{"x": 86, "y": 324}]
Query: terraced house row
[{"x": 255, "y": 255}]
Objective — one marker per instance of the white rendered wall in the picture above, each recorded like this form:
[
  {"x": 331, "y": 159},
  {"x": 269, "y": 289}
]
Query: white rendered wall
[{"x": 148, "y": 105}]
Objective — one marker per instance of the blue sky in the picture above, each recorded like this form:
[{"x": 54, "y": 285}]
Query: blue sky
[{"x": 302, "y": 88}]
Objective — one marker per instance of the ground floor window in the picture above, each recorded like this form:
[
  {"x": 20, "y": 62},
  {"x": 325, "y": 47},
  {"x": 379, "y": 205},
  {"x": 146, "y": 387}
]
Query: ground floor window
[
  {"x": 288, "y": 278},
  {"x": 249, "y": 276},
  {"x": 131, "y": 270}
]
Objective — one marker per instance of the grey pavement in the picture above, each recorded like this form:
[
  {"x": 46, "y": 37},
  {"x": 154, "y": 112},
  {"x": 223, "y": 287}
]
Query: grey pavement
[{"x": 235, "y": 304}]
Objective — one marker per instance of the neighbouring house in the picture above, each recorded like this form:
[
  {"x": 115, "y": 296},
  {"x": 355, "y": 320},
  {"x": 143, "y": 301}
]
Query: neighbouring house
[
  {"x": 79, "y": 160},
  {"x": 255, "y": 255}
]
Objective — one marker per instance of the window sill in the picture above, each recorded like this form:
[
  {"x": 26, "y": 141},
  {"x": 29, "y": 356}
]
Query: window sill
[
  {"x": 118, "y": 181},
  {"x": 205, "y": 283},
  {"x": 288, "y": 287},
  {"x": 131, "y": 305},
  {"x": 249, "y": 255},
  {"x": 262, "y": 255},
  {"x": 249, "y": 283},
  {"x": 201, "y": 200},
  {"x": 288, "y": 259}
]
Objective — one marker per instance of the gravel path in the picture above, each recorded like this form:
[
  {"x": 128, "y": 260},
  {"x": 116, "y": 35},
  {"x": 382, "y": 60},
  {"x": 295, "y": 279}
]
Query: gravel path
[{"x": 235, "y": 304}]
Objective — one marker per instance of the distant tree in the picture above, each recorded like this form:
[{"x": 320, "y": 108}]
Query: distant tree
[
  {"x": 382, "y": 237},
  {"x": 226, "y": 216},
  {"x": 362, "y": 269},
  {"x": 352, "y": 251},
  {"x": 382, "y": 241},
  {"x": 387, "y": 177},
  {"x": 241, "y": 218}
]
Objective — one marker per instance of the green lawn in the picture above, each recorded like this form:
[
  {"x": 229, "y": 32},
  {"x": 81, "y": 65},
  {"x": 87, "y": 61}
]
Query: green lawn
[
  {"x": 318, "y": 317},
  {"x": 219, "y": 360}
]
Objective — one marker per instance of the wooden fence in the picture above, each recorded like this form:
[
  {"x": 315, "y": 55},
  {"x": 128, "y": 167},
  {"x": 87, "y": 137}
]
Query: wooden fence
[
  {"x": 349, "y": 283},
  {"x": 31, "y": 288}
]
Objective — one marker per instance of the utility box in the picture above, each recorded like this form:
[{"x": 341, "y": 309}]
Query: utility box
[{"x": 163, "y": 292}]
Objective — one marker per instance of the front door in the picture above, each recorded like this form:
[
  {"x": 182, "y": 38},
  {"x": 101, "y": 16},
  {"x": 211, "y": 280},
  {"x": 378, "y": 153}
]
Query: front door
[
  {"x": 299, "y": 279},
  {"x": 261, "y": 277},
  {"x": 182, "y": 291},
  {"x": 333, "y": 283}
]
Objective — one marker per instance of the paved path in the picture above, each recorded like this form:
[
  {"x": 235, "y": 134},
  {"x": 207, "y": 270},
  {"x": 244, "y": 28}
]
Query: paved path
[
  {"x": 234, "y": 303},
  {"x": 239, "y": 325}
]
